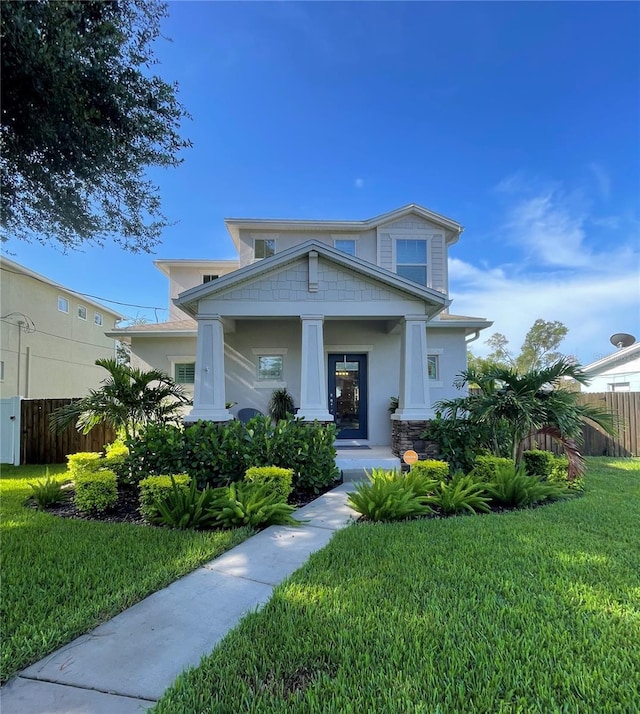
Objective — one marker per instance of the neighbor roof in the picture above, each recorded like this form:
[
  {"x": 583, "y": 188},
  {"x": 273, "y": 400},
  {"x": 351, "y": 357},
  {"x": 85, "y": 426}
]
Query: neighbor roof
[{"x": 619, "y": 356}]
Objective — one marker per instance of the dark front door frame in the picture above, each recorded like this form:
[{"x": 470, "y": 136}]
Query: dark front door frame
[{"x": 361, "y": 430}]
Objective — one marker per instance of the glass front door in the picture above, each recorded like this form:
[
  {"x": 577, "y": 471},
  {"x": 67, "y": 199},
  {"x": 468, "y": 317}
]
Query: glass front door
[{"x": 348, "y": 394}]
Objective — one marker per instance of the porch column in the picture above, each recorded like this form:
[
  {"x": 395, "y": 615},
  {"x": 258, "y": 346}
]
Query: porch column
[
  {"x": 209, "y": 396},
  {"x": 313, "y": 382},
  {"x": 414, "y": 402}
]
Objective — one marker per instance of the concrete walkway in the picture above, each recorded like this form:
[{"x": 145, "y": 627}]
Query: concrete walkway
[{"x": 125, "y": 664}]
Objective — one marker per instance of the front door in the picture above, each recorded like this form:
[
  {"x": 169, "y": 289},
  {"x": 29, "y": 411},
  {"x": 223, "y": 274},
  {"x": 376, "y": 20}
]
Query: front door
[{"x": 348, "y": 394}]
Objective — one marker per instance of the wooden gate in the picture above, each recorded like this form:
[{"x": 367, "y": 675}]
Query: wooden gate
[{"x": 39, "y": 445}]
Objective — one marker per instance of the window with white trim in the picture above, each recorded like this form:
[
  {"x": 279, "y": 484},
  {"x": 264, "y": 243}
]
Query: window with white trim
[
  {"x": 263, "y": 248},
  {"x": 63, "y": 304},
  {"x": 97, "y": 319},
  {"x": 345, "y": 246},
  {"x": 82, "y": 312},
  {"x": 209, "y": 278},
  {"x": 411, "y": 259},
  {"x": 270, "y": 368},
  {"x": 433, "y": 367},
  {"x": 184, "y": 372},
  {"x": 619, "y": 387}
]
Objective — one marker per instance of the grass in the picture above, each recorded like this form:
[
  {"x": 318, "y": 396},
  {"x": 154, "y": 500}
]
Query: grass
[
  {"x": 62, "y": 577},
  {"x": 529, "y": 611}
]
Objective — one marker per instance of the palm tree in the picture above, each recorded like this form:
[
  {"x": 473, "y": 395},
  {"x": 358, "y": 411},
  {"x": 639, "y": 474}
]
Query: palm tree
[
  {"x": 129, "y": 399},
  {"x": 528, "y": 404}
]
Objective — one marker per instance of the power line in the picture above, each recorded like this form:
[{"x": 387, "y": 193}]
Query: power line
[
  {"x": 75, "y": 292},
  {"x": 60, "y": 337}
]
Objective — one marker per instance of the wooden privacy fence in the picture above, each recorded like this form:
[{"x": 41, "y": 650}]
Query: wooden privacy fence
[
  {"x": 625, "y": 405},
  {"x": 39, "y": 445}
]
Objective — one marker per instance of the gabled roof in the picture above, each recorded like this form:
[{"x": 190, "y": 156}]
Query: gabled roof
[
  {"x": 605, "y": 363},
  {"x": 234, "y": 225},
  {"x": 188, "y": 300}
]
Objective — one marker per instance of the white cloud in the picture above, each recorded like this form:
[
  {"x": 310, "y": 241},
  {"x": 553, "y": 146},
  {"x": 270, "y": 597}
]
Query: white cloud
[{"x": 594, "y": 293}]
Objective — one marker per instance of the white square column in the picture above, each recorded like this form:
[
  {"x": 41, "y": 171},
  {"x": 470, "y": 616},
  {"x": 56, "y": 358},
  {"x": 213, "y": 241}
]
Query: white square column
[
  {"x": 313, "y": 382},
  {"x": 209, "y": 400},
  {"x": 414, "y": 402}
]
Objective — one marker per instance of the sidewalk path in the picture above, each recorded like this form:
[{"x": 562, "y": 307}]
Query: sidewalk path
[{"x": 125, "y": 664}]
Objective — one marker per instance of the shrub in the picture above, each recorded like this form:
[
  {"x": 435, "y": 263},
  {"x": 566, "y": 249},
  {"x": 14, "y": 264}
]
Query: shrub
[
  {"x": 485, "y": 467},
  {"x": 510, "y": 486},
  {"x": 48, "y": 492},
  {"x": 277, "y": 478},
  {"x": 560, "y": 474},
  {"x": 95, "y": 490},
  {"x": 389, "y": 496},
  {"x": 461, "y": 440},
  {"x": 252, "y": 504},
  {"x": 83, "y": 462},
  {"x": 185, "y": 508},
  {"x": 116, "y": 459},
  {"x": 155, "y": 488},
  {"x": 462, "y": 493},
  {"x": 280, "y": 404},
  {"x": 433, "y": 468},
  {"x": 538, "y": 463},
  {"x": 217, "y": 454}
]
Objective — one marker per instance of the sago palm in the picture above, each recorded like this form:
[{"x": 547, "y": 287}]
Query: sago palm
[{"x": 128, "y": 399}]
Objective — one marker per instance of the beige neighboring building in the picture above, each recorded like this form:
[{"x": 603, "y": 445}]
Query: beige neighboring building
[{"x": 50, "y": 336}]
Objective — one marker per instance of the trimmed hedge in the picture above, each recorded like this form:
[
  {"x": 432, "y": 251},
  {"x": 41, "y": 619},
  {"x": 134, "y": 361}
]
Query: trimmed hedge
[
  {"x": 95, "y": 490},
  {"x": 432, "y": 468},
  {"x": 538, "y": 463},
  {"x": 154, "y": 488},
  {"x": 486, "y": 467},
  {"x": 83, "y": 462},
  {"x": 217, "y": 454},
  {"x": 278, "y": 479}
]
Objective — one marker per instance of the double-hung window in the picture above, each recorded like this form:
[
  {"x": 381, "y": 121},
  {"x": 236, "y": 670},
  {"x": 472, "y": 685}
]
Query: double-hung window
[
  {"x": 63, "y": 304},
  {"x": 411, "y": 259}
]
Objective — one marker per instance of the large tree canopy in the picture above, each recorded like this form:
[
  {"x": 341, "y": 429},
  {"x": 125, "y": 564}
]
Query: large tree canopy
[
  {"x": 539, "y": 349},
  {"x": 83, "y": 118}
]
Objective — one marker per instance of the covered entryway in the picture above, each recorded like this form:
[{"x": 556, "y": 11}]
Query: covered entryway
[{"x": 348, "y": 401}]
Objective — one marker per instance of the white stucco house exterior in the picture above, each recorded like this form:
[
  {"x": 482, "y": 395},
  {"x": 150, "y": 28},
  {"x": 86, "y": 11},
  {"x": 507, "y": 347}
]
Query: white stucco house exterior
[
  {"x": 344, "y": 314},
  {"x": 617, "y": 372}
]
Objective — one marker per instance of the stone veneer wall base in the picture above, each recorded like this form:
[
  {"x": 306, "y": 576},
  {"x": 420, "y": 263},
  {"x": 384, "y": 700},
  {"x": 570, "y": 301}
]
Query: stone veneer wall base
[{"x": 406, "y": 435}]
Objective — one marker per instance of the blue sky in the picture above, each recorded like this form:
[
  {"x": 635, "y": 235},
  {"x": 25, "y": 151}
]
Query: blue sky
[{"x": 519, "y": 120}]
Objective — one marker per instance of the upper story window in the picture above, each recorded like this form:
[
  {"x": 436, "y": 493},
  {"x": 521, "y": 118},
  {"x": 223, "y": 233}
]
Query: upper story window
[
  {"x": 63, "y": 304},
  {"x": 345, "y": 246},
  {"x": 82, "y": 312},
  {"x": 97, "y": 318},
  {"x": 411, "y": 259},
  {"x": 263, "y": 248},
  {"x": 209, "y": 278}
]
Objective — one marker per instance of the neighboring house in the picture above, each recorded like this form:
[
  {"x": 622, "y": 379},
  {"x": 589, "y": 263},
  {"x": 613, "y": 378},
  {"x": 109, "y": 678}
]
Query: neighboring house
[
  {"x": 344, "y": 314},
  {"x": 50, "y": 336},
  {"x": 617, "y": 372}
]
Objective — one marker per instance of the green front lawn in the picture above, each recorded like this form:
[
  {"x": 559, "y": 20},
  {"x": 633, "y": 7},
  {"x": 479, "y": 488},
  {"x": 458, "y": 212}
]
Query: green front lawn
[
  {"x": 527, "y": 611},
  {"x": 62, "y": 577}
]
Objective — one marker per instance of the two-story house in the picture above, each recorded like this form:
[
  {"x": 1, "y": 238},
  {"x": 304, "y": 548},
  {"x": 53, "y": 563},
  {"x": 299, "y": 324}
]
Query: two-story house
[
  {"x": 344, "y": 314},
  {"x": 50, "y": 336}
]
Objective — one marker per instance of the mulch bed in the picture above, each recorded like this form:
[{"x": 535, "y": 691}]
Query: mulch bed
[{"x": 126, "y": 508}]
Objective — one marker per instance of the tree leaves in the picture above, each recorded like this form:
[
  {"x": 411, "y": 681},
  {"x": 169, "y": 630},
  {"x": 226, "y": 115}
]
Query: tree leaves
[{"x": 83, "y": 119}]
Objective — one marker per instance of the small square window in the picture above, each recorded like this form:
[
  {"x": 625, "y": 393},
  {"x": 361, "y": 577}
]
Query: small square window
[
  {"x": 263, "y": 248},
  {"x": 82, "y": 312},
  {"x": 433, "y": 367},
  {"x": 185, "y": 372},
  {"x": 209, "y": 278},
  {"x": 63, "y": 304},
  {"x": 97, "y": 318},
  {"x": 345, "y": 246},
  {"x": 270, "y": 367}
]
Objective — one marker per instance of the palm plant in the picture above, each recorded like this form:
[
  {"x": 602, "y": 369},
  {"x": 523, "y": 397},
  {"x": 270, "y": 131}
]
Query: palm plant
[
  {"x": 529, "y": 403},
  {"x": 129, "y": 399}
]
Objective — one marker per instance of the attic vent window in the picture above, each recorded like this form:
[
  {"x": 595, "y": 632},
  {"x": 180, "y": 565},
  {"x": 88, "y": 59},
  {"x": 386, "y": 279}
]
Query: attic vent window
[
  {"x": 345, "y": 246},
  {"x": 209, "y": 278},
  {"x": 263, "y": 248}
]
